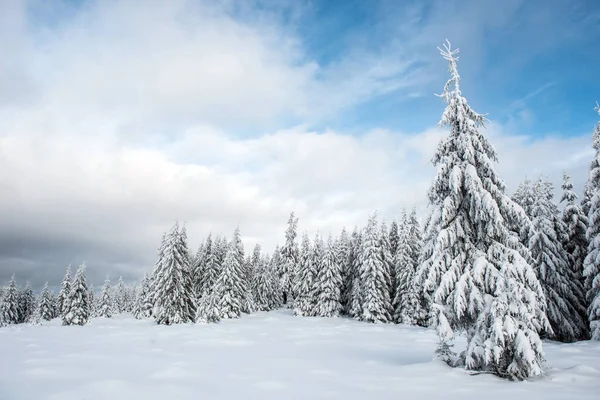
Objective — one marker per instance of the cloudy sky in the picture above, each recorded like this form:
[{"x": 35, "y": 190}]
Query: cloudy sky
[{"x": 117, "y": 119}]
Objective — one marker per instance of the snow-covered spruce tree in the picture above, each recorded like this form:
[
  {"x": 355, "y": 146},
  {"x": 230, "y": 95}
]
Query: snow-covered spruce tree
[
  {"x": 65, "y": 289},
  {"x": 576, "y": 223},
  {"x": 317, "y": 260},
  {"x": 415, "y": 313},
  {"x": 46, "y": 305},
  {"x": 472, "y": 269},
  {"x": 26, "y": 303},
  {"x": 198, "y": 265},
  {"x": 289, "y": 260},
  {"x": 342, "y": 251},
  {"x": 92, "y": 299},
  {"x": 591, "y": 264},
  {"x": 403, "y": 304},
  {"x": 212, "y": 266},
  {"x": 304, "y": 303},
  {"x": 388, "y": 264},
  {"x": 562, "y": 288},
  {"x": 105, "y": 302},
  {"x": 329, "y": 284},
  {"x": 173, "y": 291},
  {"x": 142, "y": 308},
  {"x": 120, "y": 298},
  {"x": 9, "y": 306},
  {"x": 394, "y": 237},
  {"x": 375, "y": 293},
  {"x": 261, "y": 282},
  {"x": 276, "y": 294},
  {"x": 247, "y": 300},
  {"x": 355, "y": 299},
  {"x": 230, "y": 288},
  {"x": 78, "y": 301}
]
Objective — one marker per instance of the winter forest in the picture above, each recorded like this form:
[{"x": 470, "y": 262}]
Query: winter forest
[{"x": 497, "y": 275}]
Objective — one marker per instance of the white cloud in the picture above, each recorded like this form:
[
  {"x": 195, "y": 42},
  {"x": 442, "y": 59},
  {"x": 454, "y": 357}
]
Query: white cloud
[{"x": 125, "y": 118}]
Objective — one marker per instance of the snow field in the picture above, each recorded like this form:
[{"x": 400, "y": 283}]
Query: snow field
[{"x": 267, "y": 355}]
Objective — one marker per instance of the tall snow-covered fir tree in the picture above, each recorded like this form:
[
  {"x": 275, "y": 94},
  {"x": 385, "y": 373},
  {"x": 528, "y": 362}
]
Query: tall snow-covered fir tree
[
  {"x": 65, "y": 289},
  {"x": 562, "y": 287},
  {"x": 261, "y": 281},
  {"x": 317, "y": 261},
  {"x": 9, "y": 304},
  {"x": 78, "y": 303},
  {"x": 26, "y": 303},
  {"x": 591, "y": 264},
  {"x": 230, "y": 288},
  {"x": 173, "y": 287},
  {"x": 289, "y": 260},
  {"x": 46, "y": 305},
  {"x": 394, "y": 237},
  {"x": 120, "y": 298},
  {"x": 105, "y": 302},
  {"x": 388, "y": 263},
  {"x": 329, "y": 284},
  {"x": 92, "y": 299},
  {"x": 211, "y": 267},
  {"x": 576, "y": 223},
  {"x": 405, "y": 301},
  {"x": 374, "y": 277},
  {"x": 143, "y": 307},
  {"x": 355, "y": 287},
  {"x": 198, "y": 265},
  {"x": 342, "y": 251},
  {"x": 304, "y": 303},
  {"x": 472, "y": 266}
]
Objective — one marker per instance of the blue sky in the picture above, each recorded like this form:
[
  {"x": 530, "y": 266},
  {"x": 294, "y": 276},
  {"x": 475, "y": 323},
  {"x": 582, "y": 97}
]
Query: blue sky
[
  {"x": 530, "y": 65},
  {"x": 117, "y": 119}
]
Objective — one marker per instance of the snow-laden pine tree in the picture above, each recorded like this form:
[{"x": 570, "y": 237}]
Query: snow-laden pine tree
[
  {"x": 46, "y": 305},
  {"x": 394, "y": 237},
  {"x": 355, "y": 299},
  {"x": 404, "y": 301},
  {"x": 105, "y": 302},
  {"x": 328, "y": 284},
  {"x": 120, "y": 298},
  {"x": 317, "y": 261},
  {"x": 562, "y": 288},
  {"x": 472, "y": 269},
  {"x": 26, "y": 303},
  {"x": 276, "y": 296},
  {"x": 342, "y": 251},
  {"x": 246, "y": 298},
  {"x": 9, "y": 305},
  {"x": 304, "y": 303},
  {"x": 211, "y": 267},
  {"x": 261, "y": 282},
  {"x": 289, "y": 260},
  {"x": 92, "y": 299},
  {"x": 388, "y": 264},
  {"x": 143, "y": 307},
  {"x": 591, "y": 265},
  {"x": 65, "y": 289},
  {"x": 374, "y": 279},
  {"x": 78, "y": 302},
  {"x": 576, "y": 223},
  {"x": 173, "y": 289},
  {"x": 415, "y": 238},
  {"x": 198, "y": 265},
  {"x": 230, "y": 288}
]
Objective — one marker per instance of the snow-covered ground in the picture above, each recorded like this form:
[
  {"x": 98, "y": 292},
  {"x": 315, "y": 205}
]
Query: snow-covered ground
[{"x": 262, "y": 356}]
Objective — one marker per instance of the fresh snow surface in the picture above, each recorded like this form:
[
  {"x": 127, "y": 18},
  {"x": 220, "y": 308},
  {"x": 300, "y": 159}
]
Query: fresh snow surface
[{"x": 268, "y": 355}]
